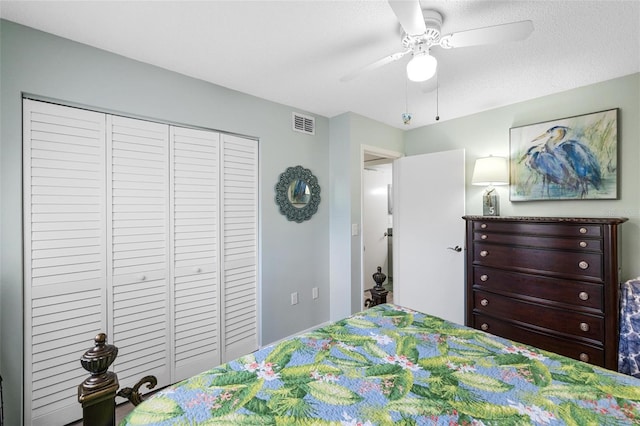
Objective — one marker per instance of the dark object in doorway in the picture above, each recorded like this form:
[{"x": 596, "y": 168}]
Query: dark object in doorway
[{"x": 378, "y": 293}]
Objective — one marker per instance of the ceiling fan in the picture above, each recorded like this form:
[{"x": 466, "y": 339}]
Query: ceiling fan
[{"x": 421, "y": 31}]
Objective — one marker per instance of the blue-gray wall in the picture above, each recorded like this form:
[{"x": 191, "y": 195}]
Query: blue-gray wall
[
  {"x": 349, "y": 133},
  {"x": 295, "y": 257},
  {"x": 487, "y": 133}
]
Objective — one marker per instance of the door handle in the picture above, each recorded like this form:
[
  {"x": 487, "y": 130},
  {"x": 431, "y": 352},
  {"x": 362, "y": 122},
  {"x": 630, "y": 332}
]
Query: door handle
[{"x": 456, "y": 248}]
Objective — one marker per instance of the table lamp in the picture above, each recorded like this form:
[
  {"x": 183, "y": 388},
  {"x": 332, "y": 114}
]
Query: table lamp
[{"x": 490, "y": 171}]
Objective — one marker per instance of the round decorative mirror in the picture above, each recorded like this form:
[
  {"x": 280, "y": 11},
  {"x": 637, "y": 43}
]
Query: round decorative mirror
[{"x": 298, "y": 194}]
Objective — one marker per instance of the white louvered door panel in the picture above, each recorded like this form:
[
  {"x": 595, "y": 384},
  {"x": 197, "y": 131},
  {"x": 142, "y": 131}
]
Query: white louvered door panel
[
  {"x": 64, "y": 258},
  {"x": 240, "y": 245},
  {"x": 139, "y": 303},
  {"x": 194, "y": 159}
]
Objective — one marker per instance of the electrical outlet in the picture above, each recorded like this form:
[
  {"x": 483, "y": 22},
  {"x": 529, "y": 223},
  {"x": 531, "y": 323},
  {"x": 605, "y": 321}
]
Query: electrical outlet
[
  {"x": 294, "y": 298},
  {"x": 314, "y": 292}
]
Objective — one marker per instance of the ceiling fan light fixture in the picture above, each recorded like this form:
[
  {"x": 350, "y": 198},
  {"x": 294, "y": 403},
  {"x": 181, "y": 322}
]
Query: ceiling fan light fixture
[{"x": 421, "y": 67}]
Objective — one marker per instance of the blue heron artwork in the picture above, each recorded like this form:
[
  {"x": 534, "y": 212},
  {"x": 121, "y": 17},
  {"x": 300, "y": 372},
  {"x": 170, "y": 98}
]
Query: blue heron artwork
[{"x": 566, "y": 159}]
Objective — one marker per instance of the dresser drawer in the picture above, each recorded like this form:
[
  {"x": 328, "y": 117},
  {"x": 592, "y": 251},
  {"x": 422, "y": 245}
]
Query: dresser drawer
[
  {"x": 586, "y": 265},
  {"x": 577, "y": 295},
  {"x": 563, "y": 243},
  {"x": 551, "y": 229},
  {"x": 544, "y": 318},
  {"x": 593, "y": 354}
]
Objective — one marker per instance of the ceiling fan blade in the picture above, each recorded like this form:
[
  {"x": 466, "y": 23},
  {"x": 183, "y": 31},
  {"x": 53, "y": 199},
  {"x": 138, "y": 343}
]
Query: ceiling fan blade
[
  {"x": 409, "y": 14},
  {"x": 489, "y": 35},
  {"x": 377, "y": 64}
]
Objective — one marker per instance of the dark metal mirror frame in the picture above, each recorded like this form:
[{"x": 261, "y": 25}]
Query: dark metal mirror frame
[{"x": 282, "y": 194}]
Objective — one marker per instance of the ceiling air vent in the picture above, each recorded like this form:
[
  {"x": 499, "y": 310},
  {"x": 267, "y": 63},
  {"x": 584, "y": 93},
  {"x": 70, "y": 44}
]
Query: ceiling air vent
[{"x": 304, "y": 124}]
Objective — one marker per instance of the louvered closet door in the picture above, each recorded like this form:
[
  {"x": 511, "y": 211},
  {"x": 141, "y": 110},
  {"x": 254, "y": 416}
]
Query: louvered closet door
[
  {"x": 138, "y": 170},
  {"x": 239, "y": 242},
  {"x": 64, "y": 243},
  {"x": 195, "y": 249}
]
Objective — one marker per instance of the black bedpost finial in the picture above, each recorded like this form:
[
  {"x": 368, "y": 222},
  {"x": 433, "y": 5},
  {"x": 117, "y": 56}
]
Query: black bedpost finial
[
  {"x": 98, "y": 359},
  {"x": 97, "y": 392},
  {"x": 378, "y": 293},
  {"x": 379, "y": 277}
]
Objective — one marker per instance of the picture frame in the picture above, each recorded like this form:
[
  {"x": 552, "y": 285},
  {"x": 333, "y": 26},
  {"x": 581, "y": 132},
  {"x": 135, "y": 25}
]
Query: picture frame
[{"x": 572, "y": 158}]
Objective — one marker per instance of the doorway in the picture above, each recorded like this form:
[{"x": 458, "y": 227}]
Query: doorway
[
  {"x": 377, "y": 219},
  {"x": 427, "y": 268}
]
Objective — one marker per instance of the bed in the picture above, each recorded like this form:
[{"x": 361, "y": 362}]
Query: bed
[{"x": 389, "y": 364}]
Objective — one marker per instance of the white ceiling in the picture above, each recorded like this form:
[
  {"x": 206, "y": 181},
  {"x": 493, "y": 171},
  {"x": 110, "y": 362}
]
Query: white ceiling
[{"x": 294, "y": 52}]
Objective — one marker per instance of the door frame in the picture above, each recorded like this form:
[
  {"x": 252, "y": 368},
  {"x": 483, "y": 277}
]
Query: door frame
[{"x": 385, "y": 156}]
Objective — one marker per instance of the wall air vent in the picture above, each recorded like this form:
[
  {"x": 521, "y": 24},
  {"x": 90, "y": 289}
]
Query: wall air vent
[{"x": 304, "y": 124}]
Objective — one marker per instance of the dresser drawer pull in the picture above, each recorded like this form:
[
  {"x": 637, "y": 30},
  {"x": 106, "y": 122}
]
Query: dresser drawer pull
[
  {"x": 584, "y": 357},
  {"x": 484, "y": 302},
  {"x": 584, "y": 326},
  {"x": 583, "y": 265},
  {"x": 142, "y": 277},
  {"x": 583, "y": 230},
  {"x": 583, "y": 295},
  {"x": 484, "y": 253},
  {"x": 484, "y": 326},
  {"x": 583, "y": 244},
  {"x": 484, "y": 277},
  {"x": 483, "y": 226},
  {"x": 483, "y": 236}
]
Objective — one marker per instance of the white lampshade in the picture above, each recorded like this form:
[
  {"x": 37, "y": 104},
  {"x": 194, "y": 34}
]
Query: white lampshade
[
  {"x": 421, "y": 67},
  {"x": 490, "y": 171}
]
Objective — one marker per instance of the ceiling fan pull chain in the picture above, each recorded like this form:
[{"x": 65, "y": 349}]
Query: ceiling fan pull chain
[
  {"x": 437, "y": 97},
  {"x": 406, "y": 116}
]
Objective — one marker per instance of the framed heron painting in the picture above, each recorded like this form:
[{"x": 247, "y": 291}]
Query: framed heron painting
[{"x": 573, "y": 158}]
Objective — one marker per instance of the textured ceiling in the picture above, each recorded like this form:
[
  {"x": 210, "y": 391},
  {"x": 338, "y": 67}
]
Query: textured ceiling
[{"x": 294, "y": 52}]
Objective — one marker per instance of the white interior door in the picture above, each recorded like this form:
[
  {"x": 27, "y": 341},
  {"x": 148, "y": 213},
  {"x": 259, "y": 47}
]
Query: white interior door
[
  {"x": 64, "y": 254},
  {"x": 195, "y": 192},
  {"x": 429, "y": 197},
  {"x": 375, "y": 222},
  {"x": 239, "y": 242},
  {"x": 114, "y": 241},
  {"x": 138, "y": 255}
]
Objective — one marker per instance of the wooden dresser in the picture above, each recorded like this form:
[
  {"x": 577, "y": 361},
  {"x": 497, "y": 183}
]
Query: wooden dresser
[{"x": 550, "y": 282}]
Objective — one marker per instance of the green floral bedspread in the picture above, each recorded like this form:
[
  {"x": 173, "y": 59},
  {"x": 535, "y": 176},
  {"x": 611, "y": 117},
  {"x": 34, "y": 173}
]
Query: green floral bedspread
[{"x": 393, "y": 365}]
